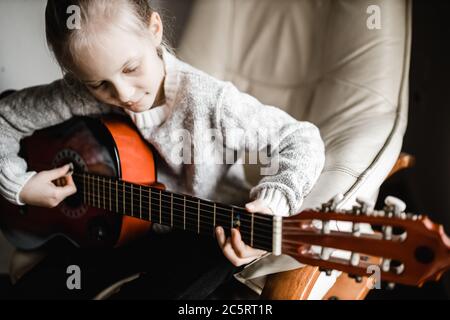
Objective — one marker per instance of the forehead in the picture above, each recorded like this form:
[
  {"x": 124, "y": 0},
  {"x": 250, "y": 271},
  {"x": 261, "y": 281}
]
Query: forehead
[{"x": 105, "y": 50}]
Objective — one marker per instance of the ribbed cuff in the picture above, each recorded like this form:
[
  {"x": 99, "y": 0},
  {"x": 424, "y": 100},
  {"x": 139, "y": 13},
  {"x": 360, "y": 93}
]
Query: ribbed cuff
[
  {"x": 28, "y": 176},
  {"x": 275, "y": 200},
  {"x": 11, "y": 184}
]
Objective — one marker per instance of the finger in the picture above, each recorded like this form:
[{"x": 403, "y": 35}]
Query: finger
[
  {"x": 57, "y": 182},
  {"x": 69, "y": 180},
  {"x": 66, "y": 191},
  {"x": 258, "y": 206},
  {"x": 237, "y": 243},
  {"x": 230, "y": 254},
  {"x": 59, "y": 172},
  {"x": 220, "y": 235},
  {"x": 242, "y": 250}
]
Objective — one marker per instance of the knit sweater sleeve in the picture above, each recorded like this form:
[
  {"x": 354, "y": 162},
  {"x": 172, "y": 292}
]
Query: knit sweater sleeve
[
  {"x": 292, "y": 152},
  {"x": 31, "y": 109}
]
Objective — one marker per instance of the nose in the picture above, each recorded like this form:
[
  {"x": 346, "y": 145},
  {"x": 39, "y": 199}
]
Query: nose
[{"x": 124, "y": 92}]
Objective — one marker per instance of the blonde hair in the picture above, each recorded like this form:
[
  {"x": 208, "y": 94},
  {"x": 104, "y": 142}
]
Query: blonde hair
[{"x": 64, "y": 41}]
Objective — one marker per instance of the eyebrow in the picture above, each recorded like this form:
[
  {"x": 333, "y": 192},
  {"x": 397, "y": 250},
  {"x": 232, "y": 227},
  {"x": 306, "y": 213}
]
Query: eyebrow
[{"x": 124, "y": 65}]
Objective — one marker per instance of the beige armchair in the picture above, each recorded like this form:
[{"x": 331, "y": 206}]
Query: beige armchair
[{"x": 330, "y": 62}]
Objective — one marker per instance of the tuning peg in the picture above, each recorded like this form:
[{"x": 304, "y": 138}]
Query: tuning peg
[
  {"x": 355, "y": 277},
  {"x": 398, "y": 269},
  {"x": 354, "y": 259},
  {"x": 326, "y": 227},
  {"x": 325, "y": 253},
  {"x": 336, "y": 200},
  {"x": 365, "y": 205},
  {"x": 386, "y": 265},
  {"x": 356, "y": 229},
  {"x": 390, "y": 286},
  {"x": 396, "y": 205},
  {"x": 332, "y": 204},
  {"x": 327, "y": 271},
  {"x": 387, "y": 232}
]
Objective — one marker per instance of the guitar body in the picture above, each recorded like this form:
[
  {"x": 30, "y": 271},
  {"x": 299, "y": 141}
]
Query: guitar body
[{"x": 109, "y": 146}]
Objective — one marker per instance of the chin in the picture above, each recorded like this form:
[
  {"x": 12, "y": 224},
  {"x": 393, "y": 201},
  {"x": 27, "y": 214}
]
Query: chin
[{"x": 138, "y": 109}]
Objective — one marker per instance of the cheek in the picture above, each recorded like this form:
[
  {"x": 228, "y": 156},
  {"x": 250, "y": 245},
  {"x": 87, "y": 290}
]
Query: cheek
[
  {"x": 102, "y": 96},
  {"x": 153, "y": 75}
]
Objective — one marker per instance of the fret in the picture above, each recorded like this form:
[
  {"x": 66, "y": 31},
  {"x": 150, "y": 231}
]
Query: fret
[
  {"x": 232, "y": 217},
  {"x": 214, "y": 221},
  {"x": 132, "y": 206},
  {"x": 160, "y": 208},
  {"x": 110, "y": 208},
  {"x": 123, "y": 199},
  {"x": 198, "y": 216},
  {"x": 171, "y": 209},
  {"x": 98, "y": 192},
  {"x": 117, "y": 196},
  {"x": 104, "y": 196},
  {"x": 178, "y": 207},
  {"x": 84, "y": 189},
  {"x": 150, "y": 204},
  {"x": 262, "y": 242},
  {"x": 92, "y": 191},
  {"x": 243, "y": 224},
  {"x": 251, "y": 236},
  {"x": 223, "y": 219},
  {"x": 184, "y": 211},
  {"x": 89, "y": 191},
  {"x": 140, "y": 202}
]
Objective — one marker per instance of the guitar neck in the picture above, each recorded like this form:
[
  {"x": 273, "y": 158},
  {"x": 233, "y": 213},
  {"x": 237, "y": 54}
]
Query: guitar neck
[{"x": 174, "y": 210}]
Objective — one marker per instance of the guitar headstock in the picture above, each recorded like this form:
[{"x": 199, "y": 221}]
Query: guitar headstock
[{"x": 408, "y": 249}]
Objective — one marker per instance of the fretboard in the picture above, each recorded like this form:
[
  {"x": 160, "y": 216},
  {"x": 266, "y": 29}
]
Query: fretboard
[{"x": 175, "y": 210}]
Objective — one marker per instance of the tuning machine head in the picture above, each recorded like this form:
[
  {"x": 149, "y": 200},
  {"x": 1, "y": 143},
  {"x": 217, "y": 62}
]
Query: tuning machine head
[
  {"x": 357, "y": 278},
  {"x": 394, "y": 206},
  {"x": 364, "y": 206},
  {"x": 333, "y": 203}
]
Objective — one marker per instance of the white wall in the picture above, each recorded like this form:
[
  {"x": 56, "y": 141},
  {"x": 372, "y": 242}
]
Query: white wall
[{"x": 24, "y": 59}]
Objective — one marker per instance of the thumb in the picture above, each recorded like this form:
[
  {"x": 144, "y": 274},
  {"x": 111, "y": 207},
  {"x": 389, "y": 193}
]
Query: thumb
[
  {"x": 258, "y": 206},
  {"x": 60, "y": 172}
]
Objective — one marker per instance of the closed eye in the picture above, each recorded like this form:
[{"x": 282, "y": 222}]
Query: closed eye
[
  {"x": 95, "y": 87},
  {"x": 131, "y": 70}
]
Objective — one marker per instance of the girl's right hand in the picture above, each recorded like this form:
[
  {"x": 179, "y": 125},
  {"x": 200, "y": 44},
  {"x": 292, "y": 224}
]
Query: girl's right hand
[{"x": 49, "y": 188}]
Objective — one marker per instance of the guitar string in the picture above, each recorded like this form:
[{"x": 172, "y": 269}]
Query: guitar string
[
  {"x": 172, "y": 208},
  {"x": 167, "y": 199},
  {"x": 175, "y": 197},
  {"x": 166, "y": 216}
]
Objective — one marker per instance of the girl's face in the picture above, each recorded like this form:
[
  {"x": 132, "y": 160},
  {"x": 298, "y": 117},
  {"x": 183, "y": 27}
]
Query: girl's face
[{"x": 123, "y": 69}]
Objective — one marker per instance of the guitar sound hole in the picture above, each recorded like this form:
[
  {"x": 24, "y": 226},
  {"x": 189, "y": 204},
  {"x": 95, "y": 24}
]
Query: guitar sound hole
[
  {"x": 74, "y": 201},
  {"x": 72, "y": 206}
]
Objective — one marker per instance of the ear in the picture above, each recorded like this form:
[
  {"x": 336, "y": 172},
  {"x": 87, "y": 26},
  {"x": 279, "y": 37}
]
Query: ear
[{"x": 156, "y": 28}]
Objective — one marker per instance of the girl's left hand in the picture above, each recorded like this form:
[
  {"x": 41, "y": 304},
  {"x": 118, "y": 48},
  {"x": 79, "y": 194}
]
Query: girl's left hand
[{"x": 233, "y": 247}]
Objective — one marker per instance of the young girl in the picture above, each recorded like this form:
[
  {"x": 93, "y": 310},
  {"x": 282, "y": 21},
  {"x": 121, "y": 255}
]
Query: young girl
[{"x": 115, "y": 60}]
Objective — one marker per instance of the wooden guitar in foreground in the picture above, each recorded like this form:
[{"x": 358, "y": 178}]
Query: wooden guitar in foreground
[{"x": 119, "y": 198}]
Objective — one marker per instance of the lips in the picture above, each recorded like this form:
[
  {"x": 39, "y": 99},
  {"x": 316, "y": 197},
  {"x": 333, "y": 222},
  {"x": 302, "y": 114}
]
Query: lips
[{"x": 134, "y": 105}]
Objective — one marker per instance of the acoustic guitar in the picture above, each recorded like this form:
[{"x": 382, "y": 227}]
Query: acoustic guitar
[{"x": 119, "y": 198}]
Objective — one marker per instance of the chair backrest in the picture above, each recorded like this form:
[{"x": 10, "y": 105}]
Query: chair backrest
[{"x": 340, "y": 64}]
